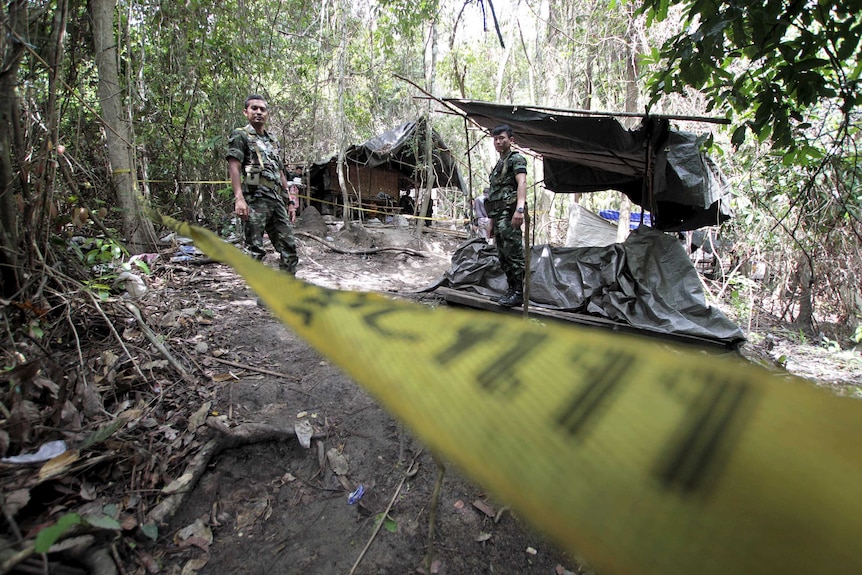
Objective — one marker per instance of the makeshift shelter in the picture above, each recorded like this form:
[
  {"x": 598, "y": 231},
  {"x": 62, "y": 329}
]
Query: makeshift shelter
[
  {"x": 647, "y": 283},
  {"x": 380, "y": 169},
  {"x": 660, "y": 169}
]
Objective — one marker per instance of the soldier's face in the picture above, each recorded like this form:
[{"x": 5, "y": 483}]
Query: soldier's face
[
  {"x": 502, "y": 143},
  {"x": 256, "y": 112}
]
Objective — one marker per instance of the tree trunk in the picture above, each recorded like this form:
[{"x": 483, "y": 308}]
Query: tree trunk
[
  {"x": 342, "y": 138},
  {"x": 623, "y": 228},
  {"x": 427, "y": 145},
  {"x": 805, "y": 276},
  {"x": 15, "y": 19},
  {"x": 137, "y": 229},
  {"x": 501, "y": 69}
]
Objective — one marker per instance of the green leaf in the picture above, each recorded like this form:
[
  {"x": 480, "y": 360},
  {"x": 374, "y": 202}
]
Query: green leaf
[
  {"x": 738, "y": 136},
  {"x": 143, "y": 266},
  {"x": 103, "y": 522},
  {"x": 390, "y": 525},
  {"x": 101, "y": 434},
  {"x": 50, "y": 535},
  {"x": 151, "y": 530}
]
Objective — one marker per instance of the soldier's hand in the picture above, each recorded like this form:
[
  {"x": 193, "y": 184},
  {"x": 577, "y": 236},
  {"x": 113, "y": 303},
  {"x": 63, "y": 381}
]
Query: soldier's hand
[
  {"x": 517, "y": 220},
  {"x": 241, "y": 208},
  {"x": 291, "y": 213}
]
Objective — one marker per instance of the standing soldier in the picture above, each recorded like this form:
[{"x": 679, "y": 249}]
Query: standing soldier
[
  {"x": 505, "y": 205},
  {"x": 258, "y": 181}
]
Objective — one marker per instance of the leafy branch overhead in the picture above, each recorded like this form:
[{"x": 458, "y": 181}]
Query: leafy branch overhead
[{"x": 770, "y": 66}]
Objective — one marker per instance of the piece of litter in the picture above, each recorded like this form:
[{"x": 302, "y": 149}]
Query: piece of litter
[
  {"x": 531, "y": 551},
  {"x": 48, "y": 451},
  {"x": 356, "y": 495},
  {"x": 303, "y": 431}
]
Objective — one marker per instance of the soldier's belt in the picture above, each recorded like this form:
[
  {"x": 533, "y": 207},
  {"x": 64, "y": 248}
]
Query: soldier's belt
[
  {"x": 497, "y": 205},
  {"x": 271, "y": 184},
  {"x": 267, "y": 184}
]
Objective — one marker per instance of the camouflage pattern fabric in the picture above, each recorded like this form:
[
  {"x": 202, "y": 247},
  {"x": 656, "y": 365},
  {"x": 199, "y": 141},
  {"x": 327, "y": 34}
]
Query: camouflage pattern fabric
[
  {"x": 500, "y": 204},
  {"x": 270, "y": 215},
  {"x": 259, "y": 151},
  {"x": 267, "y": 212},
  {"x": 510, "y": 246},
  {"x": 502, "y": 179}
]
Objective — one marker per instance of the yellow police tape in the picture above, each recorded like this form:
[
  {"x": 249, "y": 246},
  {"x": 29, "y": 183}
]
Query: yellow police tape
[{"x": 636, "y": 457}]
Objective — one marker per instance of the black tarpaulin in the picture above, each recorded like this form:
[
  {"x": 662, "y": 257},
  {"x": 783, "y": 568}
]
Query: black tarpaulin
[
  {"x": 401, "y": 149},
  {"x": 647, "y": 282},
  {"x": 593, "y": 153}
]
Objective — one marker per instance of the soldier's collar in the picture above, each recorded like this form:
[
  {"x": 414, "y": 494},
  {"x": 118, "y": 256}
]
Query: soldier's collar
[{"x": 252, "y": 132}]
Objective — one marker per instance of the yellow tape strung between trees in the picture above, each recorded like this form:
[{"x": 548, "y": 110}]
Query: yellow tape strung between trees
[{"x": 638, "y": 458}]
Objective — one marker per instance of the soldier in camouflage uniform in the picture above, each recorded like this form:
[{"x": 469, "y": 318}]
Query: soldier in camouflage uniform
[
  {"x": 258, "y": 181},
  {"x": 506, "y": 204}
]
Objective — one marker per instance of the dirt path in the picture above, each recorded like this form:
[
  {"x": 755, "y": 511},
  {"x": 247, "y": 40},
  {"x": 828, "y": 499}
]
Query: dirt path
[{"x": 277, "y": 507}]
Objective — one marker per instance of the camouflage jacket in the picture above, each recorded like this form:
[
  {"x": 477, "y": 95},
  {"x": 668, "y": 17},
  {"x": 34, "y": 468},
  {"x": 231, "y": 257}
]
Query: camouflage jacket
[
  {"x": 258, "y": 152},
  {"x": 502, "y": 179}
]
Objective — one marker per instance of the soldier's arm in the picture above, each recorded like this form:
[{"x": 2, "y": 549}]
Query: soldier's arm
[
  {"x": 521, "y": 180},
  {"x": 234, "y": 169}
]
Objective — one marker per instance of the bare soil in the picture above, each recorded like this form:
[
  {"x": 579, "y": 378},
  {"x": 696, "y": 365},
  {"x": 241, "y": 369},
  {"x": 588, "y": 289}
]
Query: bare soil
[
  {"x": 277, "y": 507},
  {"x": 260, "y": 502}
]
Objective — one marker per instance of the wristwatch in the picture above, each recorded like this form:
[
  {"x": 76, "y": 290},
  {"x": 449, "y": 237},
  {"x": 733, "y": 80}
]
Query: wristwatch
[{"x": 520, "y": 210}]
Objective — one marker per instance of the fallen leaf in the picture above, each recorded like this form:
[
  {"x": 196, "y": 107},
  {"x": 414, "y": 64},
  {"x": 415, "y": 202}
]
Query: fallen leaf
[
  {"x": 251, "y": 513},
  {"x": 58, "y": 466},
  {"x": 128, "y": 522},
  {"x": 337, "y": 461},
  {"x": 200, "y": 416},
  {"x": 88, "y": 491},
  {"x": 16, "y": 500},
  {"x": 196, "y": 541},
  {"x": 435, "y": 567},
  {"x": 46, "y": 384},
  {"x": 194, "y": 565},
  {"x": 149, "y": 562},
  {"x": 198, "y": 530},
  {"x": 484, "y": 508}
]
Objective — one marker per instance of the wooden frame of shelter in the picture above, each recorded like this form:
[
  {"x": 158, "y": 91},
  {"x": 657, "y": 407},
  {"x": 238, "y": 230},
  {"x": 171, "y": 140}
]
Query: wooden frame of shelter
[{"x": 380, "y": 169}]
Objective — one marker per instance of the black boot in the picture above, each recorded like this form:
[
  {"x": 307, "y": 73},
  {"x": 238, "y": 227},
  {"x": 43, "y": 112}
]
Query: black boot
[
  {"x": 513, "y": 299},
  {"x": 497, "y": 298}
]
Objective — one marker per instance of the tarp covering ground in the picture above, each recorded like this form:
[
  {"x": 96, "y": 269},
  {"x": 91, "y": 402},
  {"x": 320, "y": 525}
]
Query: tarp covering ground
[{"x": 647, "y": 282}]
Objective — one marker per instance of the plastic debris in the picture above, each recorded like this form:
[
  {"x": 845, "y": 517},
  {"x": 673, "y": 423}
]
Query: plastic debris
[
  {"x": 48, "y": 451},
  {"x": 173, "y": 238},
  {"x": 134, "y": 284},
  {"x": 356, "y": 495},
  {"x": 303, "y": 431}
]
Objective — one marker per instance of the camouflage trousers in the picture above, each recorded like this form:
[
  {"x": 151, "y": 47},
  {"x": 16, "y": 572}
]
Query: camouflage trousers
[
  {"x": 269, "y": 215},
  {"x": 510, "y": 246}
]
